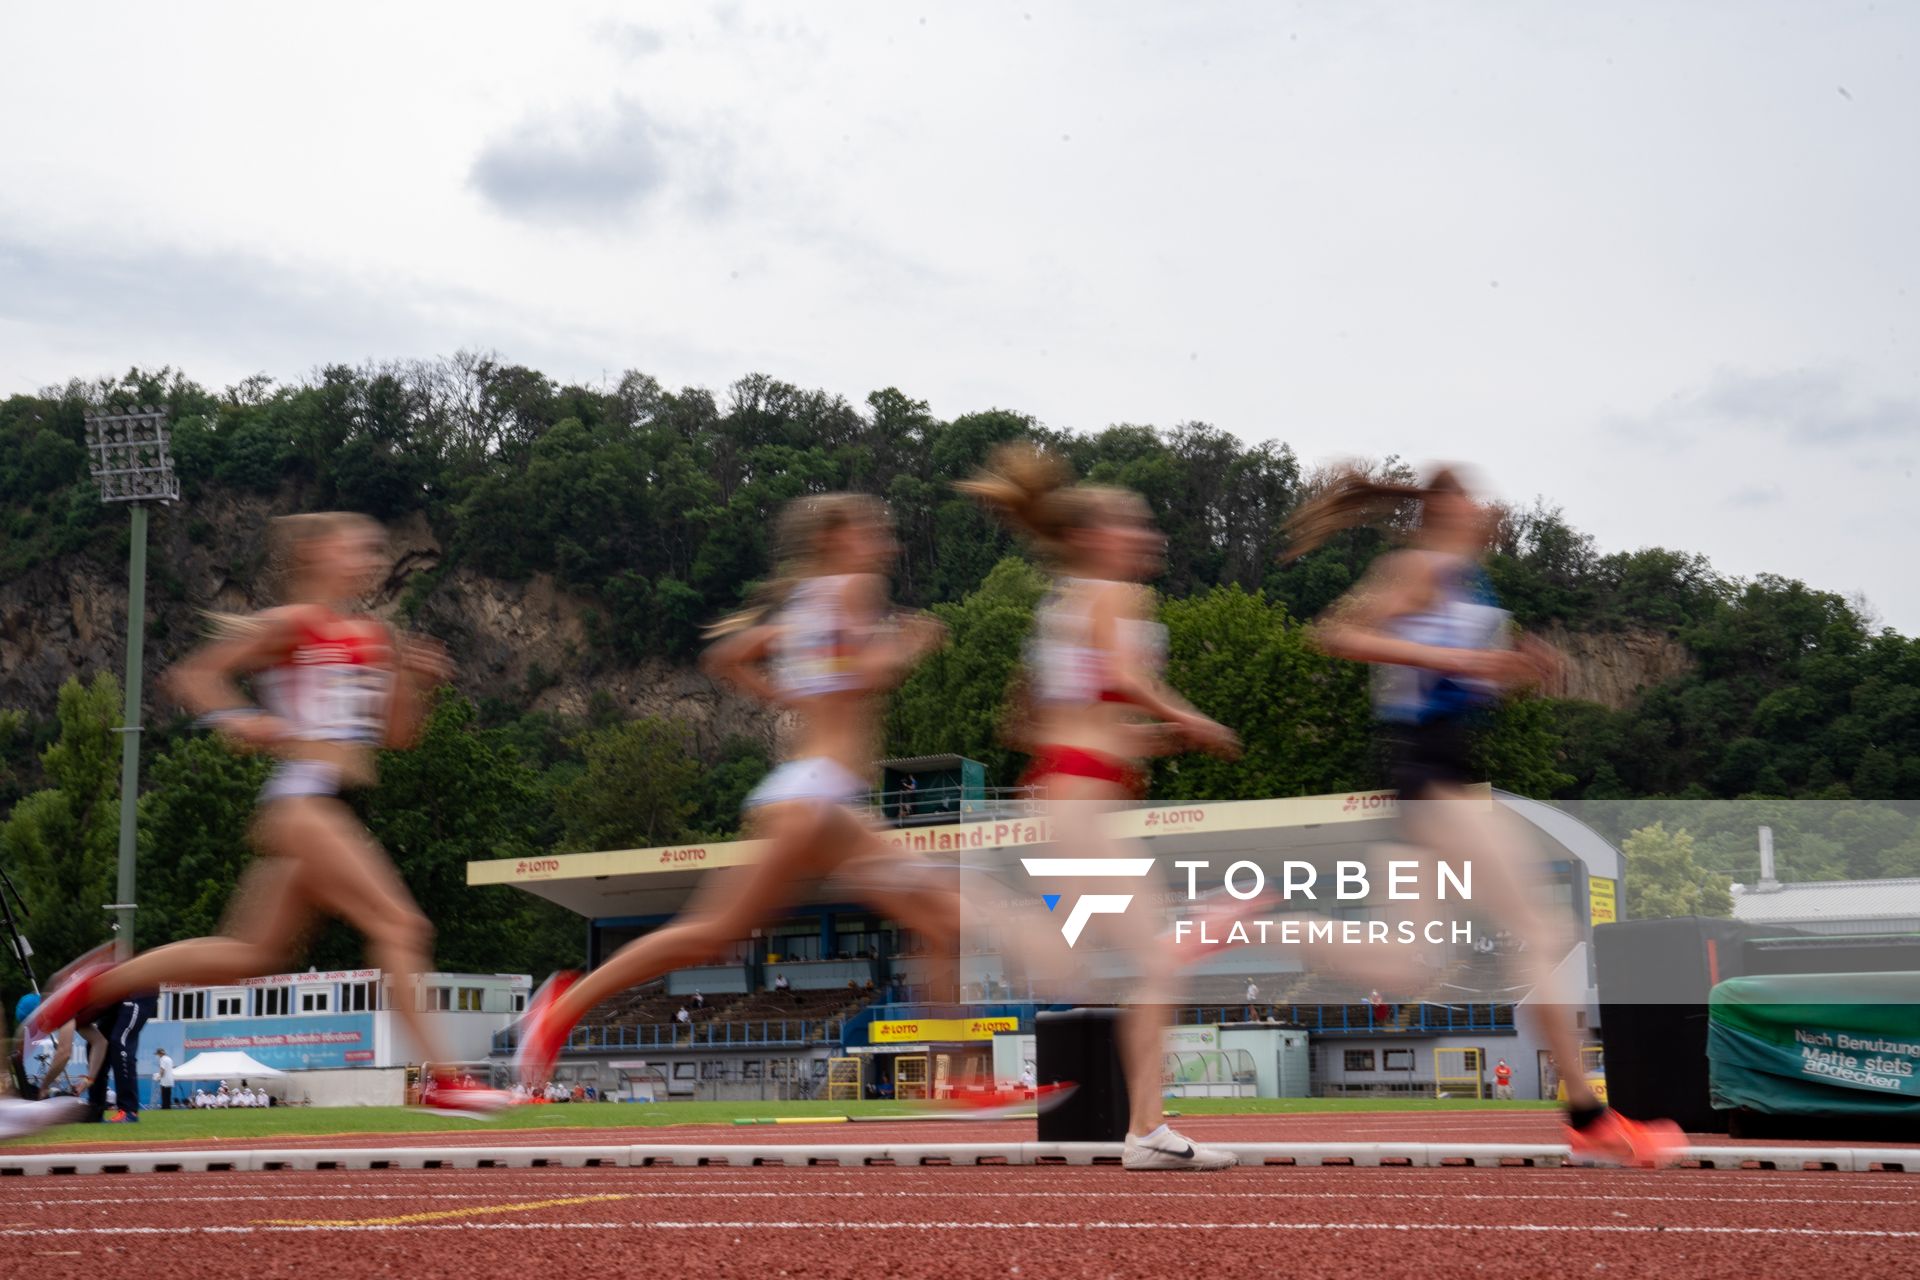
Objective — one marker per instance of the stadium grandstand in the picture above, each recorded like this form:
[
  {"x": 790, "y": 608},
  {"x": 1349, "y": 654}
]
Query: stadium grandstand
[{"x": 831, "y": 999}]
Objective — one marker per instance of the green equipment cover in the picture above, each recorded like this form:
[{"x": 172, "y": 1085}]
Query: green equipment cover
[{"x": 1816, "y": 1044}]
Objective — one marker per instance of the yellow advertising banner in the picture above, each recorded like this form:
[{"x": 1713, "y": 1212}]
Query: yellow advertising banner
[
  {"x": 916, "y": 1030},
  {"x": 1601, "y": 906}
]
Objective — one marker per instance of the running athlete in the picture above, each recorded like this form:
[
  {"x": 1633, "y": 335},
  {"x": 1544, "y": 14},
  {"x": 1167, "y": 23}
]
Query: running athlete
[
  {"x": 1095, "y": 706},
  {"x": 334, "y": 686},
  {"x": 822, "y": 643},
  {"x": 21, "y": 1115},
  {"x": 1444, "y": 653}
]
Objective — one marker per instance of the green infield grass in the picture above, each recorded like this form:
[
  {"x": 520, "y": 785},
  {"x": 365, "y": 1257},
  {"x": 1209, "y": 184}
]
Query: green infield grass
[{"x": 290, "y": 1122}]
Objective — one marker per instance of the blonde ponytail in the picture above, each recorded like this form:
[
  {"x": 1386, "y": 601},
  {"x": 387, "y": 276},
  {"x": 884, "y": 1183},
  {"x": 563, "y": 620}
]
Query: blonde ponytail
[{"x": 1036, "y": 493}]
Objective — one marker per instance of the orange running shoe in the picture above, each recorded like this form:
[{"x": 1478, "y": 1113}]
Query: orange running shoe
[
  {"x": 1636, "y": 1144},
  {"x": 541, "y": 1035}
]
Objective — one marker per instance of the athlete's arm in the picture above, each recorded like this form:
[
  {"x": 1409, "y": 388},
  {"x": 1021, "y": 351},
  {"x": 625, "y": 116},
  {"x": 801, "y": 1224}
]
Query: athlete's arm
[
  {"x": 737, "y": 659},
  {"x": 1397, "y": 584},
  {"x": 1133, "y": 680},
  {"x": 62, "y": 1051},
  {"x": 203, "y": 681},
  {"x": 419, "y": 663},
  {"x": 886, "y": 655}
]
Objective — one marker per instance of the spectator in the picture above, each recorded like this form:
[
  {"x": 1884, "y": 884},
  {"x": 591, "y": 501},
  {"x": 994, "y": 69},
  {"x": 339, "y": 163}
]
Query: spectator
[
  {"x": 699, "y": 1001},
  {"x": 1253, "y": 996},
  {"x": 119, "y": 1025},
  {"x": 908, "y": 785},
  {"x": 1027, "y": 1079},
  {"x": 1378, "y": 1009},
  {"x": 780, "y": 982},
  {"x": 1502, "y": 1080},
  {"x": 163, "y": 1078},
  {"x": 682, "y": 1017}
]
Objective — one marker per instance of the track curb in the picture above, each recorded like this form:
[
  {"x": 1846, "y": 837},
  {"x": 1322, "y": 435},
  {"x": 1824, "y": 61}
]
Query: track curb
[{"x": 1362, "y": 1155}]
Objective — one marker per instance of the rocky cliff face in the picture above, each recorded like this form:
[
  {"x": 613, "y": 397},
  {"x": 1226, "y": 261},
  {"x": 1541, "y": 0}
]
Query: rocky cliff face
[
  {"x": 69, "y": 618},
  {"x": 1612, "y": 667}
]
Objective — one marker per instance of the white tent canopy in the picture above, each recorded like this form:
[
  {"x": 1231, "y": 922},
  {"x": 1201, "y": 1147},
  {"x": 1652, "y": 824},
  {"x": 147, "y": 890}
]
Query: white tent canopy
[{"x": 231, "y": 1065}]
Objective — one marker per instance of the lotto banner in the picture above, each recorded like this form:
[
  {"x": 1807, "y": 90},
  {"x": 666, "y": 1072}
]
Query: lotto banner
[{"x": 919, "y": 1030}]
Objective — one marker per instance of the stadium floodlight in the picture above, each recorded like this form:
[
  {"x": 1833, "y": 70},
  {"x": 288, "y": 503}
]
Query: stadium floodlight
[{"x": 128, "y": 455}]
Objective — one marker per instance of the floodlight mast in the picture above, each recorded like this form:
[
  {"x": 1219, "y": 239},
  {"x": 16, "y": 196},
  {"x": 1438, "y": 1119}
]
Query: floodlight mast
[{"x": 128, "y": 455}]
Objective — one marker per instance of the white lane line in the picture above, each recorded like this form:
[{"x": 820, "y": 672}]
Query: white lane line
[
  {"x": 1030, "y": 1181},
  {"x": 749, "y": 1224},
  {"x": 1529, "y": 1197}
]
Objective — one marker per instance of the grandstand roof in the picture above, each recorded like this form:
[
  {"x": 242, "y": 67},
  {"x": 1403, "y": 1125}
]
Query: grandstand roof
[
  {"x": 1819, "y": 901},
  {"x": 621, "y": 883}
]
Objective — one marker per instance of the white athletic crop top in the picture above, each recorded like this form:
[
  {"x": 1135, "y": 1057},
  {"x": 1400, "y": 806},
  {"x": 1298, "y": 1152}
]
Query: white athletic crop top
[
  {"x": 813, "y": 654},
  {"x": 1064, "y": 665}
]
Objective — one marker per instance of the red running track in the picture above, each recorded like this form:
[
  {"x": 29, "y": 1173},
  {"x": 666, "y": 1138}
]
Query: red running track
[{"x": 1020, "y": 1221}]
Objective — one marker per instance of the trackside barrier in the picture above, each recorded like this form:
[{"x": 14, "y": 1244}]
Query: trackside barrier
[{"x": 1302, "y": 1155}]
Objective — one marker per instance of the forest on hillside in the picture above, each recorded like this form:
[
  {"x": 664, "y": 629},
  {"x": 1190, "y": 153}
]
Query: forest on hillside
[{"x": 654, "y": 505}]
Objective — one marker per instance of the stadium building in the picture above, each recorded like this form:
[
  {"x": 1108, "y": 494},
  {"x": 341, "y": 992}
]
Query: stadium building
[
  {"x": 829, "y": 1001},
  {"x": 336, "y": 1035}
]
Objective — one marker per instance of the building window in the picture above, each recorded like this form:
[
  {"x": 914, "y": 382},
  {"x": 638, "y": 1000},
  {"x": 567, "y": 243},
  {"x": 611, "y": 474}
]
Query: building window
[
  {"x": 519, "y": 1002},
  {"x": 316, "y": 1000},
  {"x": 439, "y": 999},
  {"x": 1396, "y": 1059},
  {"x": 1359, "y": 1059},
  {"x": 189, "y": 1005},
  {"x": 230, "y": 1004},
  {"x": 468, "y": 999},
  {"x": 358, "y": 997},
  {"x": 273, "y": 1002}
]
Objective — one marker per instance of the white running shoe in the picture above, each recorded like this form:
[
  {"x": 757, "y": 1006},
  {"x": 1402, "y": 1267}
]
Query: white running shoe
[
  {"x": 18, "y": 1117},
  {"x": 1169, "y": 1151}
]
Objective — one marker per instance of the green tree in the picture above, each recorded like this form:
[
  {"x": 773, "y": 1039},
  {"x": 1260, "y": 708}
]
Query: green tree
[
  {"x": 1519, "y": 747},
  {"x": 636, "y": 789},
  {"x": 1664, "y": 880},
  {"x": 460, "y": 795},
  {"x": 954, "y": 701},
  {"x": 1301, "y": 715},
  {"x": 60, "y": 842},
  {"x": 724, "y": 786},
  {"x": 194, "y": 814}
]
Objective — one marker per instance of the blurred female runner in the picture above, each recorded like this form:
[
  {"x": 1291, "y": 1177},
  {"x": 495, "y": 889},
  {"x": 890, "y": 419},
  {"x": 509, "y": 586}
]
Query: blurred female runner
[
  {"x": 1444, "y": 654},
  {"x": 1095, "y": 707},
  {"x": 334, "y": 686},
  {"x": 823, "y": 643}
]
